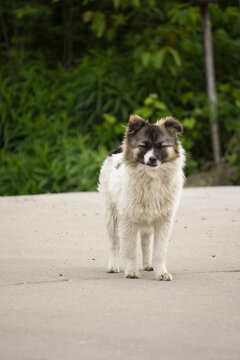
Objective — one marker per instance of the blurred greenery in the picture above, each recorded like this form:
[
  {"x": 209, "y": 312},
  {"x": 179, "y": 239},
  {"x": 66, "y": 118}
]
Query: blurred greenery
[{"x": 71, "y": 73}]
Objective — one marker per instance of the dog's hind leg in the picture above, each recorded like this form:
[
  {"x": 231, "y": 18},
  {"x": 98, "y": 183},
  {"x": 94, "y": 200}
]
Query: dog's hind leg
[
  {"x": 146, "y": 240},
  {"x": 113, "y": 239}
]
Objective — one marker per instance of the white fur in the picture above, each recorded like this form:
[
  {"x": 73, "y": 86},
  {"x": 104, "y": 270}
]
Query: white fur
[{"x": 140, "y": 200}]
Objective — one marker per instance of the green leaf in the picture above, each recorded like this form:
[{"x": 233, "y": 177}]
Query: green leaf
[
  {"x": 87, "y": 16},
  {"x": 160, "y": 105},
  {"x": 111, "y": 33},
  {"x": 116, "y": 3},
  {"x": 158, "y": 58},
  {"x": 175, "y": 56},
  {"x": 189, "y": 123},
  {"x": 148, "y": 101},
  {"x": 237, "y": 102},
  {"x": 224, "y": 87},
  {"x": 146, "y": 58},
  {"x": 109, "y": 118},
  {"x": 32, "y": 10},
  {"x": 144, "y": 111},
  {"x": 99, "y": 24}
]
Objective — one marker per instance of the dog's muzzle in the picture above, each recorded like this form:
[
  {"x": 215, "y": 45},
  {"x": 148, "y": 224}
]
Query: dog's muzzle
[{"x": 151, "y": 160}]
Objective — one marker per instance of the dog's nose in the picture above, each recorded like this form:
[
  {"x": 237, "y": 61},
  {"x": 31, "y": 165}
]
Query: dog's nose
[{"x": 152, "y": 160}]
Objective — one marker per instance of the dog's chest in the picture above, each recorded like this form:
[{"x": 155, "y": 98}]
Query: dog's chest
[{"x": 149, "y": 202}]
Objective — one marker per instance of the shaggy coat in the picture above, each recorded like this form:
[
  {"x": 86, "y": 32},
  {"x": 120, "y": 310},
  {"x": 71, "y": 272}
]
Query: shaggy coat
[{"x": 141, "y": 182}]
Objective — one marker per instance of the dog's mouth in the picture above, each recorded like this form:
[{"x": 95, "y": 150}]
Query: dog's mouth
[{"x": 153, "y": 165}]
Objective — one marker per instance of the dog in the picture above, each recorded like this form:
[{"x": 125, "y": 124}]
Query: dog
[{"x": 141, "y": 182}]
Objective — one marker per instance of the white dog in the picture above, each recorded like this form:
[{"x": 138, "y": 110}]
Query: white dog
[{"x": 141, "y": 181}]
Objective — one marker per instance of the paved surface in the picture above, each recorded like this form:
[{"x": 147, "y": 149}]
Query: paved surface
[{"x": 57, "y": 302}]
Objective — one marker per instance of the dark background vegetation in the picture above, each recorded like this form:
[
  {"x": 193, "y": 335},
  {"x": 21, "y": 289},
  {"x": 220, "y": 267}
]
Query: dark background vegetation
[{"x": 71, "y": 73}]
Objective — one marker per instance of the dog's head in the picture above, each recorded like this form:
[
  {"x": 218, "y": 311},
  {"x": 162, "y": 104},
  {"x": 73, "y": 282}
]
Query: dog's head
[{"x": 151, "y": 145}]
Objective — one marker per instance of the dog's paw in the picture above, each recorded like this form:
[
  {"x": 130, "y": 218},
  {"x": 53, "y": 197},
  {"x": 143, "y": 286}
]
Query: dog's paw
[
  {"x": 164, "y": 276},
  {"x": 132, "y": 274},
  {"x": 148, "y": 268},
  {"x": 113, "y": 269}
]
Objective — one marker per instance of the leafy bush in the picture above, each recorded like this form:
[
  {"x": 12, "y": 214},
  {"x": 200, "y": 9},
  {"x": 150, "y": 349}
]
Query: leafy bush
[{"x": 68, "y": 85}]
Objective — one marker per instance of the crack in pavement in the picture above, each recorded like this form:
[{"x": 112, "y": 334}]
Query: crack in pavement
[
  {"x": 225, "y": 271},
  {"x": 104, "y": 278}
]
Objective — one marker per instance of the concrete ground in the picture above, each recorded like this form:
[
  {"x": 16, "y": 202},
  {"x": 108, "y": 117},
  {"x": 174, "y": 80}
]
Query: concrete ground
[{"x": 57, "y": 302}]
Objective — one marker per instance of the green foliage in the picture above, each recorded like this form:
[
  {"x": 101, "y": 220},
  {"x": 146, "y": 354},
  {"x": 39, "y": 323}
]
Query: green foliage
[
  {"x": 72, "y": 72},
  {"x": 33, "y": 10},
  {"x": 153, "y": 108}
]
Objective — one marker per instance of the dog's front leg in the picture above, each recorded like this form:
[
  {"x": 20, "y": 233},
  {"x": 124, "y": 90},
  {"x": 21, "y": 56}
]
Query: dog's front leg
[
  {"x": 146, "y": 240},
  {"x": 128, "y": 235},
  {"x": 161, "y": 239}
]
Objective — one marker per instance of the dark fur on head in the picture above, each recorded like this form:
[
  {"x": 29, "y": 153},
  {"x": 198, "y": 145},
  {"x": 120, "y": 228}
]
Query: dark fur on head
[
  {"x": 135, "y": 124},
  {"x": 142, "y": 137},
  {"x": 172, "y": 125}
]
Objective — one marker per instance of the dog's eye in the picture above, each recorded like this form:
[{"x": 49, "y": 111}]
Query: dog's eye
[
  {"x": 160, "y": 145},
  {"x": 144, "y": 146}
]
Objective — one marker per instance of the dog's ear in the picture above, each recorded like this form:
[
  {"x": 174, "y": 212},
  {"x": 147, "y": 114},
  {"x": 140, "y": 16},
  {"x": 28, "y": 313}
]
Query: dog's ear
[
  {"x": 171, "y": 124},
  {"x": 135, "y": 124}
]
